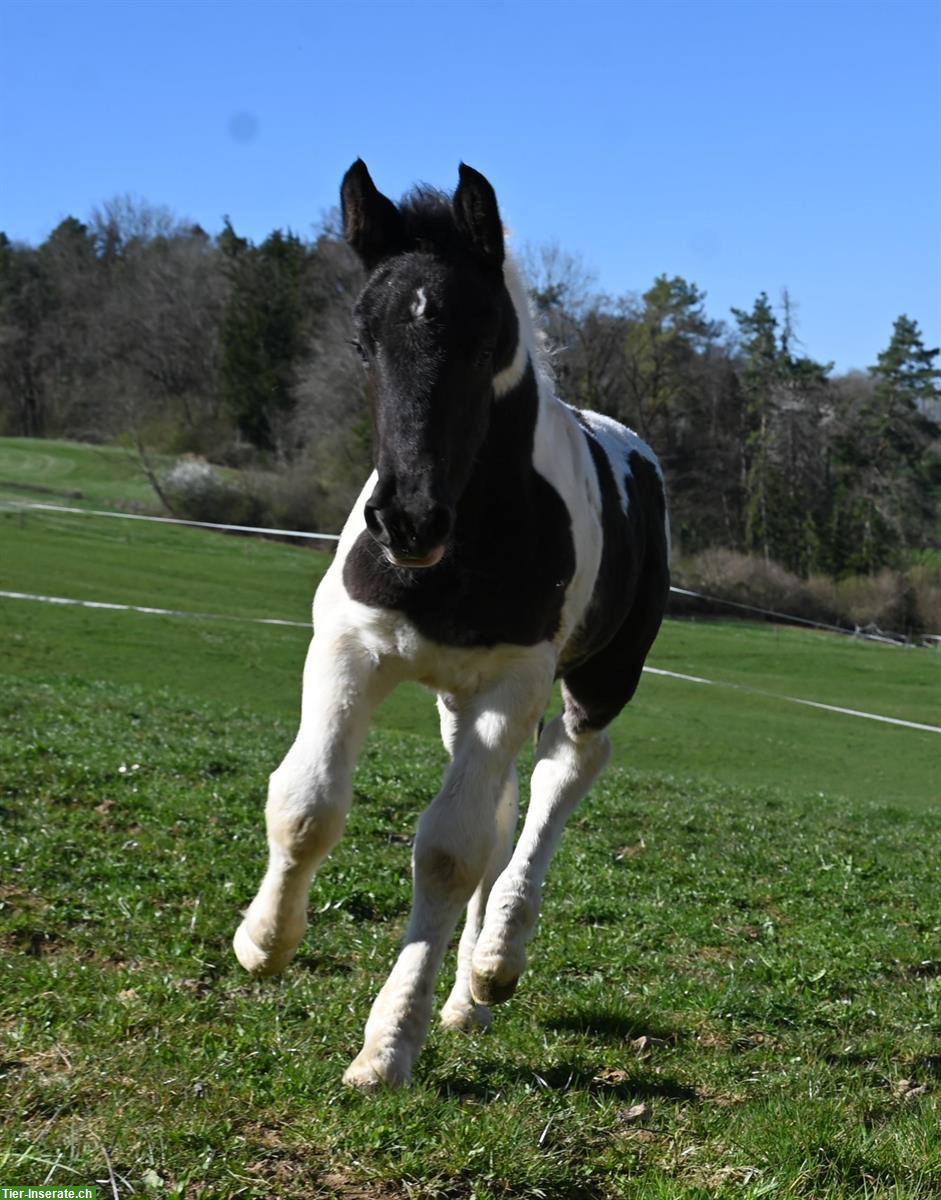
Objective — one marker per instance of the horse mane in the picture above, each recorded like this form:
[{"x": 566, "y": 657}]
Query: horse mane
[
  {"x": 429, "y": 221},
  {"x": 533, "y": 336}
]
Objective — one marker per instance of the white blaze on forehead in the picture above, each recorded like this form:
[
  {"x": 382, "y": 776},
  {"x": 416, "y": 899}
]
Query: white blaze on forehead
[{"x": 419, "y": 303}]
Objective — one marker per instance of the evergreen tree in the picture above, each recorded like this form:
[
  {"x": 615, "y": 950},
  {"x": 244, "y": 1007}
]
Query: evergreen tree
[
  {"x": 901, "y": 472},
  {"x": 262, "y": 332},
  {"x": 24, "y": 302},
  {"x": 907, "y": 385},
  {"x": 663, "y": 343},
  {"x": 784, "y": 460},
  {"x": 73, "y": 275},
  {"x": 676, "y": 395},
  {"x": 886, "y": 462}
]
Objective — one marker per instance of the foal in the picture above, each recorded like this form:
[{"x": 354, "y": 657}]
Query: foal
[{"x": 503, "y": 541}]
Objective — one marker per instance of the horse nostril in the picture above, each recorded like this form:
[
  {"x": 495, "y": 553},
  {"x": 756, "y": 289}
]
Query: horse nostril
[
  {"x": 408, "y": 533},
  {"x": 376, "y": 525}
]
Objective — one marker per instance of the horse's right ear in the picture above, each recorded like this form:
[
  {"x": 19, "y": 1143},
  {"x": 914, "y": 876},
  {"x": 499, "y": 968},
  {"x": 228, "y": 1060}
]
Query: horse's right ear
[
  {"x": 372, "y": 223},
  {"x": 477, "y": 215}
]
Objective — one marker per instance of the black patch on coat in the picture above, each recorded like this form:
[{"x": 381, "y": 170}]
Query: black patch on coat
[
  {"x": 510, "y": 556},
  {"x": 629, "y": 598},
  {"x": 617, "y": 571}
]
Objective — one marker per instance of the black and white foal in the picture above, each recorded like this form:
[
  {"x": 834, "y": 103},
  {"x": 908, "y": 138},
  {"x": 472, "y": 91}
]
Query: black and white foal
[{"x": 505, "y": 540}]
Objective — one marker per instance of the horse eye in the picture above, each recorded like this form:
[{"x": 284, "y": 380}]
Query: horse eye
[
  {"x": 360, "y": 350},
  {"x": 484, "y": 355}
]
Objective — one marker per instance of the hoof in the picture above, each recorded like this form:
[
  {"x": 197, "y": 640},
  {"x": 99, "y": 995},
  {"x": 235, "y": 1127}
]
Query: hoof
[
  {"x": 488, "y": 989},
  {"x": 256, "y": 961},
  {"x": 368, "y": 1074},
  {"x": 467, "y": 1018}
]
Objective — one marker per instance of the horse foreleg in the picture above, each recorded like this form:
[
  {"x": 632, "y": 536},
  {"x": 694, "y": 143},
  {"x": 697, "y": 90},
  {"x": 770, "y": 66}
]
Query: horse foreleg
[
  {"x": 309, "y": 796},
  {"x": 567, "y": 765}
]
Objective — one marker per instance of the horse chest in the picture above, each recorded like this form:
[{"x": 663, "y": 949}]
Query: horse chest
[{"x": 514, "y": 594}]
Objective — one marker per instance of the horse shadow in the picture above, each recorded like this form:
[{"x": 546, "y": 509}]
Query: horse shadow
[
  {"x": 604, "y": 1025},
  {"x": 631, "y": 1084},
  {"x": 634, "y": 1081}
]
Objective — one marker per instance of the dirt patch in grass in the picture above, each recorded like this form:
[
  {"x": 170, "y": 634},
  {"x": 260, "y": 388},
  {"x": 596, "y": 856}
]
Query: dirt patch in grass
[{"x": 36, "y": 943}]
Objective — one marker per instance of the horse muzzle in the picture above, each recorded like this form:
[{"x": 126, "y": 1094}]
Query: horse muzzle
[
  {"x": 414, "y": 564},
  {"x": 410, "y": 539}
]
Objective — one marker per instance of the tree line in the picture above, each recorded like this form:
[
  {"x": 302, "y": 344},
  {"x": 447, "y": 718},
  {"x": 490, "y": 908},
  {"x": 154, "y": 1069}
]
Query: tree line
[{"x": 137, "y": 325}]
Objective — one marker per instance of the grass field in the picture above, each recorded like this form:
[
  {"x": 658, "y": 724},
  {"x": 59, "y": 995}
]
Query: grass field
[
  {"x": 735, "y": 991},
  {"x": 74, "y": 474}
]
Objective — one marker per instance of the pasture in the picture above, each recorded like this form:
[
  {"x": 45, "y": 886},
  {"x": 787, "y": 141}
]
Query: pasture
[{"x": 736, "y": 989}]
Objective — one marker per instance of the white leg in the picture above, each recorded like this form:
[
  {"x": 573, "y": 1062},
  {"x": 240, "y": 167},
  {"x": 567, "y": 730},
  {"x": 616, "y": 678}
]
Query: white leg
[
  {"x": 447, "y": 721},
  {"x": 567, "y": 765},
  {"x": 461, "y": 1010},
  {"x": 453, "y": 845},
  {"x": 309, "y": 796}
]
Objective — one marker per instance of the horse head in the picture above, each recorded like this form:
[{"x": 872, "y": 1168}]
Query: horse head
[{"x": 438, "y": 334}]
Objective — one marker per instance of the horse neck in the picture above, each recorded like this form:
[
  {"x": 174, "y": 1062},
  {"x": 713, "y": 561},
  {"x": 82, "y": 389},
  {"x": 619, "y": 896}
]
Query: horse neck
[
  {"x": 500, "y": 488},
  {"x": 502, "y": 476}
]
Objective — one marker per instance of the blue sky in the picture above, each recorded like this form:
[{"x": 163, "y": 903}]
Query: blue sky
[{"x": 747, "y": 145}]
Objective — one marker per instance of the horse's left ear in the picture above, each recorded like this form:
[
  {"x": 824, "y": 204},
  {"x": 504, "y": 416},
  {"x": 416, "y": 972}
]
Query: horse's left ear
[
  {"x": 477, "y": 215},
  {"x": 372, "y": 223}
]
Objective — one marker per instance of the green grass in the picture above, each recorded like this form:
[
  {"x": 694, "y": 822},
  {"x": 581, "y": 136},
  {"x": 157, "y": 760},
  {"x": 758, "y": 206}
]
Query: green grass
[
  {"x": 742, "y": 930},
  {"x": 761, "y": 973},
  {"x": 70, "y": 473},
  {"x": 683, "y": 729}
]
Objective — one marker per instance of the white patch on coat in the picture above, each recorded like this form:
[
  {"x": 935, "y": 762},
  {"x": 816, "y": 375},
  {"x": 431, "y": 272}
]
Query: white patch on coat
[
  {"x": 619, "y": 443},
  {"x": 529, "y": 345},
  {"x": 562, "y": 457},
  {"x": 419, "y": 304}
]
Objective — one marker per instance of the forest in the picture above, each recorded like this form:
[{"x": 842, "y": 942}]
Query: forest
[{"x": 788, "y": 483}]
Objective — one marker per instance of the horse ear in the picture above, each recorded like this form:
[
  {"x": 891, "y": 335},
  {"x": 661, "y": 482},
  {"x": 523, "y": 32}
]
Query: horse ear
[
  {"x": 477, "y": 215},
  {"x": 371, "y": 222}
]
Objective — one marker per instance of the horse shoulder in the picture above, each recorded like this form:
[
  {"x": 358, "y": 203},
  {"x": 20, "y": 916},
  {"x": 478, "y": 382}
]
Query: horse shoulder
[{"x": 562, "y": 456}]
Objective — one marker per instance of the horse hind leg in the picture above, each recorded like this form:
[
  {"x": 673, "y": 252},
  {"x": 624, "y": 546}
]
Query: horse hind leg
[
  {"x": 569, "y": 760},
  {"x": 454, "y": 843},
  {"x": 461, "y": 1010},
  {"x": 572, "y": 751}
]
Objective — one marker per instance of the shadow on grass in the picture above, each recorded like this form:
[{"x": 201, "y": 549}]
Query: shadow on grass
[
  {"x": 569, "y": 1077},
  {"x": 321, "y": 964},
  {"x": 608, "y": 1026}
]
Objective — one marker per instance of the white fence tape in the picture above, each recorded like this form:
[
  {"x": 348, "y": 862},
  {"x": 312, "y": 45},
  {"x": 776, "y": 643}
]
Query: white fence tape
[
  {"x": 197, "y": 616},
  {"x": 768, "y": 612},
  {"x": 16, "y": 505},
  {"x": 151, "y": 612},
  {"x": 867, "y": 634},
  {"x": 849, "y": 712}
]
